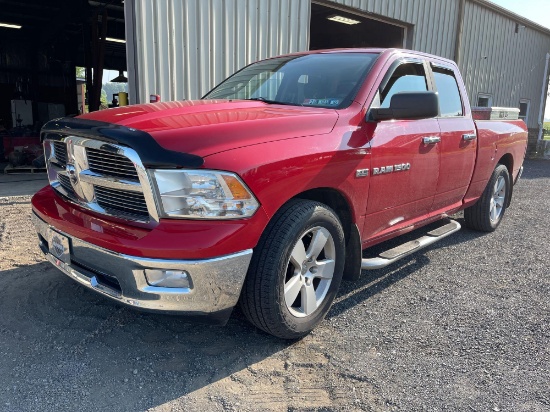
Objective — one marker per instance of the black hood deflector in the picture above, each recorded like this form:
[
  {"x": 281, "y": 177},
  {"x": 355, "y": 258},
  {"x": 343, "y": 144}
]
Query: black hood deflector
[{"x": 152, "y": 155}]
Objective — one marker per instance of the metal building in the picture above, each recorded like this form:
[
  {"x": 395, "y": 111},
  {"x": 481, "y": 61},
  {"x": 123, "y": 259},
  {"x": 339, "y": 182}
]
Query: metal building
[{"x": 180, "y": 49}]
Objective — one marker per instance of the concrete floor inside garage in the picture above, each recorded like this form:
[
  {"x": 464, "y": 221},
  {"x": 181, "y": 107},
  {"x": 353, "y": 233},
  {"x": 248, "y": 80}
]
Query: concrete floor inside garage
[{"x": 22, "y": 184}]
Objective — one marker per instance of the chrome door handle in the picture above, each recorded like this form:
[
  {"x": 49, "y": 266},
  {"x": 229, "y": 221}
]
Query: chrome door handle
[
  {"x": 469, "y": 137},
  {"x": 431, "y": 139}
]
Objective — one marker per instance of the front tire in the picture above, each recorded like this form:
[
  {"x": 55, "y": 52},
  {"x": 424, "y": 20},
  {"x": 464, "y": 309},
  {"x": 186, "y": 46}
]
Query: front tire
[
  {"x": 486, "y": 214},
  {"x": 295, "y": 271}
]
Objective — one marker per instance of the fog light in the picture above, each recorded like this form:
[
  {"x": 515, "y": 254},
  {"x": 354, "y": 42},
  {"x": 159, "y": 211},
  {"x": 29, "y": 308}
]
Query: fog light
[{"x": 168, "y": 278}]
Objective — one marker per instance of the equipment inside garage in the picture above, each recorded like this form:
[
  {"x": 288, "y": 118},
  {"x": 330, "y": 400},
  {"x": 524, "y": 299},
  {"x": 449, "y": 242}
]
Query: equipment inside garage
[{"x": 41, "y": 44}]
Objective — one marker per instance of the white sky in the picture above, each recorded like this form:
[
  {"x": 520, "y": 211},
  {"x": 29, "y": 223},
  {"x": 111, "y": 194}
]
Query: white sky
[
  {"x": 535, "y": 10},
  {"x": 111, "y": 74}
]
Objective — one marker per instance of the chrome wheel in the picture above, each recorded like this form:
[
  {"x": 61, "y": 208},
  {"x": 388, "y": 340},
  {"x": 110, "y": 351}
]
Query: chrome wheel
[
  {"x": 486, "y": 214},
  {"x": 295, "y": 270},
  {"x": 497, "y": 200},
  {"x": 309, "y": 272}
]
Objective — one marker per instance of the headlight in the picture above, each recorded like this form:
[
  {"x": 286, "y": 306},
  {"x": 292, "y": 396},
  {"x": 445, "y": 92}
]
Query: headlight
[{"x": 204, "y": 194}]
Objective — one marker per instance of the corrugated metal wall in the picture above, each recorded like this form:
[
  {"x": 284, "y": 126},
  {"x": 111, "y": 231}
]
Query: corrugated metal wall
[
  {"x": 434, "y": 20},
  {"x": 182, "y": 48},
  {"x": 496, "y": 60}
]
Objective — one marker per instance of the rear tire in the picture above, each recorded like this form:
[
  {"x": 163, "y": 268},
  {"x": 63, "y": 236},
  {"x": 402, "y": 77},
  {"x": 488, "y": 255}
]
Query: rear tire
[
  {"x": 295, "y": 270},
  {"x": 486, "y": 214}
]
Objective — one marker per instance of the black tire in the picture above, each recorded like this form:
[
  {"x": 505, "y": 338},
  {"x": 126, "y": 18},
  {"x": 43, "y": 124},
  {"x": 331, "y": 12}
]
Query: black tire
[
  {"x": 484, "y": 215},
  {"x": 263, "y": 296}
]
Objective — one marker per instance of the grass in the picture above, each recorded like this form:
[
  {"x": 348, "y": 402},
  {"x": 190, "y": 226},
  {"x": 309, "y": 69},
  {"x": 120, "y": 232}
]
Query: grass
[{"x": 547, "y": 131}]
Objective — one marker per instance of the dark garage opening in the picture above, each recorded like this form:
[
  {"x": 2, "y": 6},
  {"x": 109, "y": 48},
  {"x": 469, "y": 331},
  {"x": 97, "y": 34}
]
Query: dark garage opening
[
  {"x": 41, "y": 45},
  {"x": 350, "y": 30}
]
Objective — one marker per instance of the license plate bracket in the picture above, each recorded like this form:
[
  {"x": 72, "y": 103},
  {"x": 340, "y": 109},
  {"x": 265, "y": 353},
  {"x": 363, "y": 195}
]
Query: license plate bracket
[{"x": 59, "y": 246}]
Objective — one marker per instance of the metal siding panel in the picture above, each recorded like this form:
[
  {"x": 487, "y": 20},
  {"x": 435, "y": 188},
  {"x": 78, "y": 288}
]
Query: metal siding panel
[
  {"x": 241, "y": 38},
  {"x": 292, "y": 40},
  {"x": 434, "y": 26},
  {"x": 452, "y": 11},
  {"x": 184, "y": 48},
  {"x": 217, "y": 27},
  {"x": 303, "y": 25},
  {"x": 229, "y": 35},
  {"x": 204, "y": 52},
  {"x": 442, "y": 29},
  {"x": 147, "y": 79},
  {"x": 191, "y": 12},
  {"x": 178, "y": 48},
  {"x": 284, "y": 13},
  {"x": 162, "y": 44},
  {"x": 514, "y": 68}
]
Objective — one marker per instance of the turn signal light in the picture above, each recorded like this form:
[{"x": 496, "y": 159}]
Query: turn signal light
[{"x": 237, "y": 189}]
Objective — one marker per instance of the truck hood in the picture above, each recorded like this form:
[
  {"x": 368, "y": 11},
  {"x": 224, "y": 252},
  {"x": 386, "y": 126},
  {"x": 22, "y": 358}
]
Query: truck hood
[{"x": 205, "y": 127}]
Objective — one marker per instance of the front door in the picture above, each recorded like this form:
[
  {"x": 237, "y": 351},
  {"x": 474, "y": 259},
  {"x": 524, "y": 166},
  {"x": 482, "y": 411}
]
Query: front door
[{"x": 405, "y": 159}]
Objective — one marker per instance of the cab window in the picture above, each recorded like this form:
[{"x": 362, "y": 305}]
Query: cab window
[
  {"x": 450, "y": 104},
  {"x": 407, "y": 77}
]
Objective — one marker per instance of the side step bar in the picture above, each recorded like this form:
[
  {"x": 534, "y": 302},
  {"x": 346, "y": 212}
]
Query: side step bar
[{"x": 390, "y": 256}]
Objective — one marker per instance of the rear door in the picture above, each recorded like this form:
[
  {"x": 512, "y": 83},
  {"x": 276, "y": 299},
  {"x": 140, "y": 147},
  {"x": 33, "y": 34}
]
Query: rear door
[
  {"x": 458, "y": 139},
  {"x": 405, "y": 169}
]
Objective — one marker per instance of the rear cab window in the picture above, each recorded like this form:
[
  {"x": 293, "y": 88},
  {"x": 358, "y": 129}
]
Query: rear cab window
[{"x": 450, "y": 101}]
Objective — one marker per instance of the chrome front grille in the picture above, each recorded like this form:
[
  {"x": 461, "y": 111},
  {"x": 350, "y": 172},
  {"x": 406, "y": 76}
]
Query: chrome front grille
[
  {"x": 111, "y": 164},
  {"x": 65, "y": 183},
  {"x": 60, "y": 153},
  {"x": 122, "y": 201},
  {"x": 103, "y": 177}
]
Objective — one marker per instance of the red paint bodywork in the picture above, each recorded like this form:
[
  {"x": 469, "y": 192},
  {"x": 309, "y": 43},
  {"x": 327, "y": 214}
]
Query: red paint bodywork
[{"x": 282, "y": 151}]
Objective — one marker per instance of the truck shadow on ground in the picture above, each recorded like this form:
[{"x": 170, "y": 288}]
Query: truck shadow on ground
[
  {"x": 62, "y": 341},
  {"x": 373, "y": 282},
  {"x": 536, "y": 169}
]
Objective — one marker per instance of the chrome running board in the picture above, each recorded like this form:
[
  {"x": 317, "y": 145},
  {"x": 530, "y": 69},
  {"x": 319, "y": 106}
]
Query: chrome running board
[{"x": 390, "y": 256}]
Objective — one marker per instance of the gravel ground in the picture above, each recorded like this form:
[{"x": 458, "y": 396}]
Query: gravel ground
[{"x": 463, "y": 325}]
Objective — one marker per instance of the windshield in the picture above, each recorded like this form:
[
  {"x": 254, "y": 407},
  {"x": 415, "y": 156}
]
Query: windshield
[{"x": 329, "y": 80}]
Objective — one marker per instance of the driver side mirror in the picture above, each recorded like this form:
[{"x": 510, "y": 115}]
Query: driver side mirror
[{"x": 408, "y": 106}]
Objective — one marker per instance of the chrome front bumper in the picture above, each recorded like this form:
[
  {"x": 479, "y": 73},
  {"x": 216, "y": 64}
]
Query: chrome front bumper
[{"x": 214, "y": 288}]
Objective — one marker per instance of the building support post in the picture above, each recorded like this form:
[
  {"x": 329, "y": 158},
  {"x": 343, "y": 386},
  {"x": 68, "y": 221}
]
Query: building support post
[
  {"x": 459, "y": 28},
  {"x": 543, "y": 97},
  {"x": 131, "y": 58},
  {"x": 543, "y": 100}
]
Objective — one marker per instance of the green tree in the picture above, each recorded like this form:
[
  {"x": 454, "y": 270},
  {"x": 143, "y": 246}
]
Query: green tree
[
  {"x": 103, "y": 99},
  {"x": 80, "y": 72}
]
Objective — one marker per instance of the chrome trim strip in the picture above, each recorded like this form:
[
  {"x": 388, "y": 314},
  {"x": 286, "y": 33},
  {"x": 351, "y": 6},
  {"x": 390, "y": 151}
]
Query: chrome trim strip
[{"x": 111, "y": 182}]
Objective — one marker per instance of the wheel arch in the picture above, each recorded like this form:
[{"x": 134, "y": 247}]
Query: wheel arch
[
  {"x": 508, "y": 161},
  {"x": 338, "y": 202}
]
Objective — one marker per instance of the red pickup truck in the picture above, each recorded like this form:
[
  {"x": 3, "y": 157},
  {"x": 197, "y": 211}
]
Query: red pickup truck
[{"x": 267, "y": 190}]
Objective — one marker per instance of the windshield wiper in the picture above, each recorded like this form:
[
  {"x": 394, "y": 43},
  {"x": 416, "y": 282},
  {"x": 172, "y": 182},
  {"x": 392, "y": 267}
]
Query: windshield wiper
[{"x": 263, "y": 99}]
